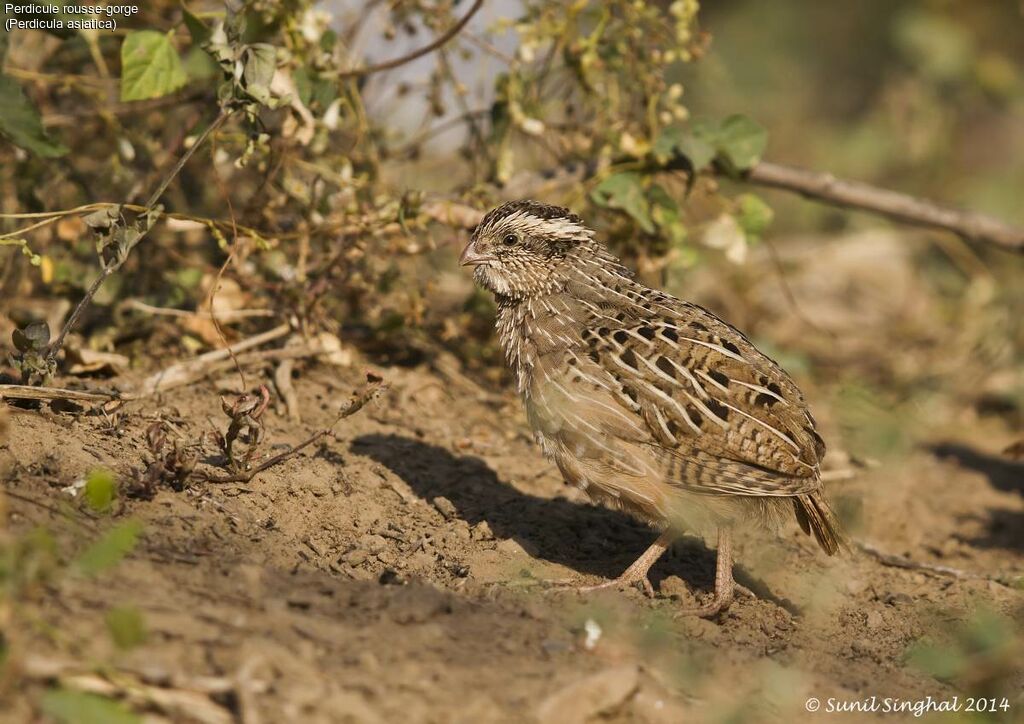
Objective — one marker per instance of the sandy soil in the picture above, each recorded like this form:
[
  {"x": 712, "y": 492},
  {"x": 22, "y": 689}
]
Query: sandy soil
[
  {"x": 392, "y": 574},
  {"x": 396, "y": 571}
]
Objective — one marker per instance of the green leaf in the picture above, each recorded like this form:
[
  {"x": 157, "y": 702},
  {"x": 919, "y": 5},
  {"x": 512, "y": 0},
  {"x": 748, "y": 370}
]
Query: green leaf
[
  {"x": 625, "y": 192},
  {"x": 108, "y": 551},
  {"x": 199, "y": 65},
  {"x": 20, "y": 122},
  {"x": 100, "y": 490},
  {"x": 664, "y": 147},
  {"x": 77, "y": 707},
  {"x": 150, "y": 66},
  {"x": 126, "y": 626},
  {"x": 754, "y": 215},
  {"x": 260, "y": 63},
  {"x": 741, "y": 141},
  {"x": 665, "y": 212},
  {"x": 673, "y": 140},
  {"x": 35, "y": 337},
  {"x": 313, "y": 90}
]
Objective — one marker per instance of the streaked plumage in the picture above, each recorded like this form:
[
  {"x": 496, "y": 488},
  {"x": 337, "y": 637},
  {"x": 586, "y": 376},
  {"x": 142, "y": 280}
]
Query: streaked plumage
[{"x": 649, "y": 403}]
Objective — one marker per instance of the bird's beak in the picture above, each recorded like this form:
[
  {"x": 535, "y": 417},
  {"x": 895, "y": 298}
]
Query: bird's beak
[{"x": 471, "y": 257}]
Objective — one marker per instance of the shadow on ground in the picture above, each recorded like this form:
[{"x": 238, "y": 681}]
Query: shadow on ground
[
  {"x": 1005, "y": 527},
  {"x": 587, "y": 538}
]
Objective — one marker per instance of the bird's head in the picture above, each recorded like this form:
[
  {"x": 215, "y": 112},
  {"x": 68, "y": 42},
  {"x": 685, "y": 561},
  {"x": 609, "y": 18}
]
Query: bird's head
[{"x": 525, "y": 248}]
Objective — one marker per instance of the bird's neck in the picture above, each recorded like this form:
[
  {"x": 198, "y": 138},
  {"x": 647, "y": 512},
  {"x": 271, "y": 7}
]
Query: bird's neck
[{"x": 532, "y": 326}]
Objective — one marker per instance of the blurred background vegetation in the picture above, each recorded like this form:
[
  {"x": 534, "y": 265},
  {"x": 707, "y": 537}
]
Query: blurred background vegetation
[{"x": 319, "y": 200}]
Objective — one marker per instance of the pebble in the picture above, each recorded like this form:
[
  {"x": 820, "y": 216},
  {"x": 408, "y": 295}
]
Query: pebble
[
  {"x": 856, "y": 585},
  {"x": 675, "y": 587},
  {"x": 316, "y": 546},
  {"x": 356, "y": 557},
  {"x": 894, "y": 598},
  {"x": 373, "y": 543},
  {"x": 445, "y": 507},
  {"x": 874, "y": 620},
  {"x": 482, "y": 531},
  {"x": 862, "y": 646}
]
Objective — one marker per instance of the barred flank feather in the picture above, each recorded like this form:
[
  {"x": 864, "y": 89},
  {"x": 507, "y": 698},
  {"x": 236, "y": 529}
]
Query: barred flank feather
[{"x": 816, "y": 516}]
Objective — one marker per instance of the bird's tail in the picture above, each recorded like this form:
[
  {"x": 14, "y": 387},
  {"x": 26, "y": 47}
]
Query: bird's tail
[{"x": 816, "y": 517}]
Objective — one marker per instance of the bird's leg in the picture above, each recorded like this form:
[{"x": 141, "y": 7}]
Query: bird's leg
[
  {"x": 724, "y": 584},
  {"x": 637, "y": 573}
]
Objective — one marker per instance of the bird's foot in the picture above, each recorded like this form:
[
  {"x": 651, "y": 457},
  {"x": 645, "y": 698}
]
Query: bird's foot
[
  {"x": 625, "y": 580},
  {"x": 718, "y": 604}
]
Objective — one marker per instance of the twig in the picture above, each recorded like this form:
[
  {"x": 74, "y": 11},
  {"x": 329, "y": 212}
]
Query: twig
[
  {"x": 181, "y": 373},
  {"x": 283, "y": 383},
  {"x": 113, "y": 266},
  {"x": 373, "y": 388},
  {"x": 225, "y": 316},
  {"x": 200, "y": 371},
  {"x": 896, "y": 561},
  {"x": 815, "y": 185},
  {"x": 220, "y": 272},
  {"x": 28, "y": 392},
  {"x": 903, "y": 207},
  {"x": 409, "y": 57}
]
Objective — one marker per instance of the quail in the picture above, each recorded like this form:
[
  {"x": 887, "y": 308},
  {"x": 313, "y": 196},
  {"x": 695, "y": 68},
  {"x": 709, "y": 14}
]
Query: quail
[{"x": 650, "y": 404}]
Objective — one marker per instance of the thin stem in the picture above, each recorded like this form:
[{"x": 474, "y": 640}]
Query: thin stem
[
  {"x": 409, "y": 57},
  {"x": 150, "y": 204}
]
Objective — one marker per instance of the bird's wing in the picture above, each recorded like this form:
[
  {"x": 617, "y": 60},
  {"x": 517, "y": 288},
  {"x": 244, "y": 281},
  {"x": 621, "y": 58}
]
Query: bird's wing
[{"x": 725, "y": 417}]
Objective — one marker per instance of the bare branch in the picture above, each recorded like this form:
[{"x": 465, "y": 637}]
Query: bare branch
[
  {"x": 910, "y": 209},
  {"x": 896, "y": 561},
  {"x": 28, "y": 392},
  {"x": 182, "y": 373},
  {"x": 409, "y": 57},
  {"x": 112, "y": 267},
  {"x": 816, "y": 185}
]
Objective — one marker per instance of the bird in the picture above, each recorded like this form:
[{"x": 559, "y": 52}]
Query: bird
[{"x": 652, "y": 405}]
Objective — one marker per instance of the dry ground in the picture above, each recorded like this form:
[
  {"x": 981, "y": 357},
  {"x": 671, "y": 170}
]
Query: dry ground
[{"x": 394, "y": 574}]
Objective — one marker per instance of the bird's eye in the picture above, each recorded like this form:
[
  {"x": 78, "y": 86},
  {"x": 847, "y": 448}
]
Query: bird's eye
[{"x": 509, "y": 239}]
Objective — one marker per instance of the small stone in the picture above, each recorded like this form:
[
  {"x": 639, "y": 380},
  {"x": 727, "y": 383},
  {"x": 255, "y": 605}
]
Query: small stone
[
  {"x": 318, "y": 489},
  {"x": 369, "y": 662},
  {"x": 862, "y": 646},
  {"x": 356, "y": 557},
  {"x": 391, "y": 577},
  {"x": 316, "y": 546},
  {"x": 856, "y": 585},
  {"x": 482, "y": 531},
  {"x": 896, "y": 598},
  {"x": 874, "y": 620},
  {"x": 674, "y": 587},
  {"x": 373, "y": 543},
  {"x": 445, "y": 507}
]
